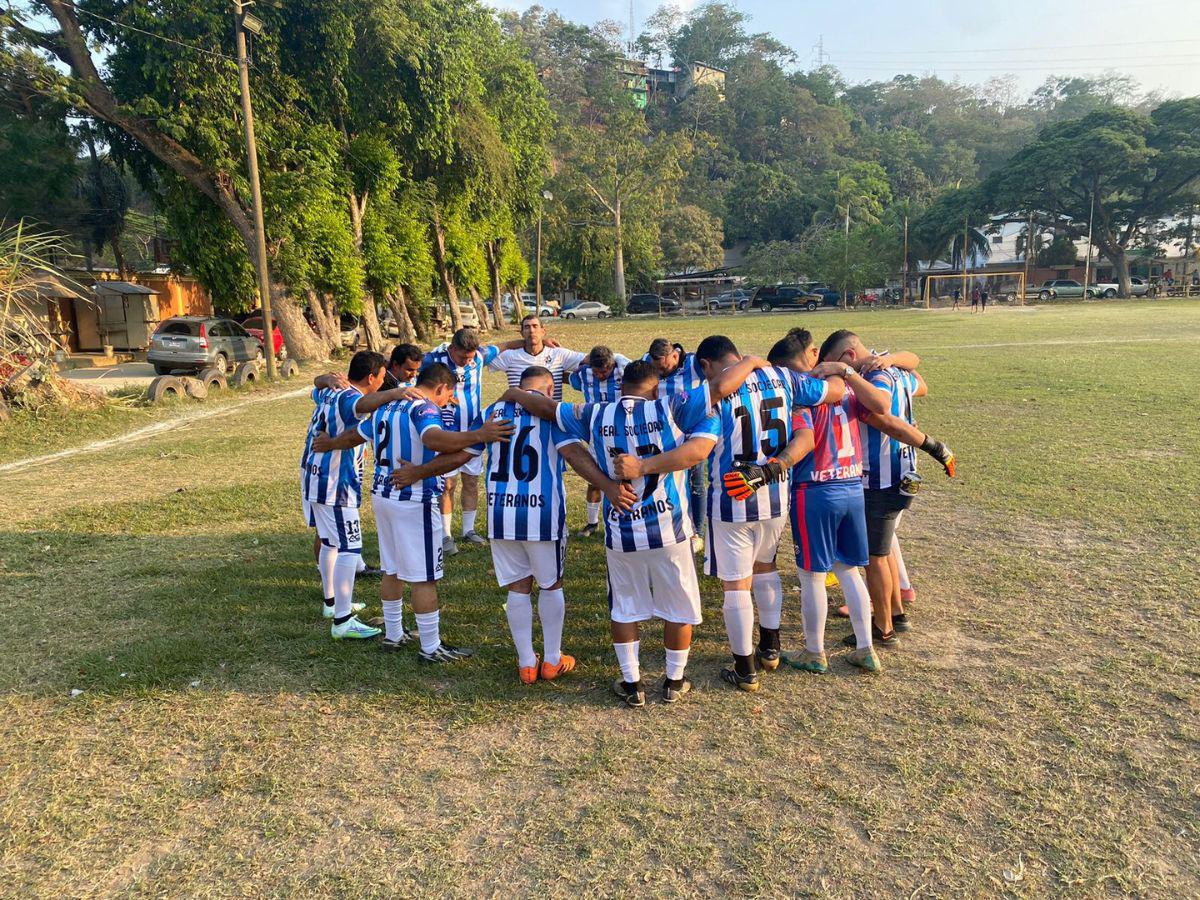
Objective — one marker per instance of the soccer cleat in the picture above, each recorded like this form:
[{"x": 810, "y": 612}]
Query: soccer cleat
[
  {"x": 877, "y": 637},
  {"x": 631, "y": 695},
  {"x": 807, "y": 661},
  {"x": 865, "y": 659},
  {"x": 353, "y": 628},
  {"x": 528, "y": 674},
  {"x": 445, "y": 653},
  {"x": 748, "y": 683},
  {"x": 369, "y": 572},
  {"x": 449, "y": 548},
  {"x": 475, "y": 538},
  {"x": 327, "y": 609},
  {"x": 590, "y": 529},
  {"x": 768, "y": 658},
  {"x": 406, "y": 638},
  {"x": 697, "y": 544},
  {"x": 900, "y": 622},
  {"x": 565, "y": 664},
  {"x": 672, "y": 691}
]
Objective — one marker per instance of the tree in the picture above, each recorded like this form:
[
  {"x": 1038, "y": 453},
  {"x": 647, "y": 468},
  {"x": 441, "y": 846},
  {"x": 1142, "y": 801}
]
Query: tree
[
  {"x": 862, "y": 258},
  {"x": 775, "y": 262},
  {"x": 1121, "y": 169},
  {"x": 691, "y": 240}
]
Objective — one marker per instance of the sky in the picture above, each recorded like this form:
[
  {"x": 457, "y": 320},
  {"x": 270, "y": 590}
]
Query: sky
[{"x": 1155, "y": 41}]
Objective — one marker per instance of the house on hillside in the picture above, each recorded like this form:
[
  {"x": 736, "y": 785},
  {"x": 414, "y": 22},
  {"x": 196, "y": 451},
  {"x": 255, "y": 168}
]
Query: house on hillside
[{"x": 646, "y": 83}]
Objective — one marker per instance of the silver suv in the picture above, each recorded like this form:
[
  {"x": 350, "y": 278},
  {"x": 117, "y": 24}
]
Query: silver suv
[{"x": 193, "y": 343}]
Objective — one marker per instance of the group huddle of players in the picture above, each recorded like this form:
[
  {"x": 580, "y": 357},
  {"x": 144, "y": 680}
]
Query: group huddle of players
[{"x": 822, "y": 437}]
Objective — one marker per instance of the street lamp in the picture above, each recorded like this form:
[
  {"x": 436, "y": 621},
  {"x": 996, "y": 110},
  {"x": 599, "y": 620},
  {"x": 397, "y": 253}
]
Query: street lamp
[{"x": 537, "y": 277}]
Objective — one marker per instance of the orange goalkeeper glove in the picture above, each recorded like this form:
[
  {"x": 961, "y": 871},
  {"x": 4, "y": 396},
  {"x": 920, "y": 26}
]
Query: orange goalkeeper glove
[{"x": 746, "y": 478}]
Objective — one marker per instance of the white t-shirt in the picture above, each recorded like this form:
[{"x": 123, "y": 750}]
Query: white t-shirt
[{"x": 558, "y": 360}]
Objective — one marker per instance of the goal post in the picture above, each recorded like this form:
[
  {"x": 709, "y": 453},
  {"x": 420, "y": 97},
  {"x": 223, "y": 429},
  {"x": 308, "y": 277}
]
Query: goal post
[{"x": 938, "y": 290}]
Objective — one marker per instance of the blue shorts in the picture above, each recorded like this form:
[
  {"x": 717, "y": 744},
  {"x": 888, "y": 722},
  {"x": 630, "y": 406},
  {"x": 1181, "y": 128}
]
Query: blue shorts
[{"x": 829, "y": 524}]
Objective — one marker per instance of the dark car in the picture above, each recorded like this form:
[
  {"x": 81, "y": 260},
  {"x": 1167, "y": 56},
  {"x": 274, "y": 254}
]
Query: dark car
[
  {"x": 652, "y": 303},
  {"x": 787, "y": 296},
  {"x": 832, "y": 296}
]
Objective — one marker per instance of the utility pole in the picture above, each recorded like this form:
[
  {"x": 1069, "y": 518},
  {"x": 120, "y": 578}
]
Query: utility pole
[
  {"x": 245, "y": 22},
  {"x": 537, "y": 276},
  {"x": 1028, "y": 250},
  {"x": 1087, "y": 263},
  {"x": 904, "y": 286},
  {"x": 966, "y": 229}
]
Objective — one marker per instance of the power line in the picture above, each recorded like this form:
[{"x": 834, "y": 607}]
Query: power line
[{"x": 160, "y": 37}]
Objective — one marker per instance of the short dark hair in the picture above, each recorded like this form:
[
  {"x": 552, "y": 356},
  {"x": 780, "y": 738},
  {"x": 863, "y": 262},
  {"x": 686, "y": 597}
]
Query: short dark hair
[
  {"x": 659, "y": 347},
  {"x": 601, "y": 357},
  {"x": 803, "y": 334},
  {"x": 638, "y": 373},
  {"x": 465, "y": 339},
  {"x": 536, "y": 372},
  {"x": 834, "y": 340},
  {"x": 364, "y": 364},
  {"x": 403, "y": 353},
  {"x": 436, "y": 374},
  {"x": 789, "y": 348},
  {"x": 528, "y": 316},
  {"x": 715, "y": 347}
]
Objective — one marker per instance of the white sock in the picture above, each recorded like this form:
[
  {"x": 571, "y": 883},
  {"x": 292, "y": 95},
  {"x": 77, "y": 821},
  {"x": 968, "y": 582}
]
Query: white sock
[
  {"x": 429, "y": 630},
  {"x": 393, "y": 619},
  {"x": 520, "y": 623},
  {"x": 768, "y": 597},
  {"x": 627, "y": 659},
  {"x": 593, "y": 513},
  {"x": 901, "y": 569},
  {"x": 468, "y": 522},
  {"x": 813, "y": 603},
  {"x": 325, "y": 565},
  {"x": 552, "y": 610},
  {"x": 858, "y": 601},
  {"x": 361, "y": 564},
  {"x": 739, "y": 622},
  {"x": 677, "y": 662},
  {"x": 344, "y": 568},
  {"x": 446, "y": 524}
]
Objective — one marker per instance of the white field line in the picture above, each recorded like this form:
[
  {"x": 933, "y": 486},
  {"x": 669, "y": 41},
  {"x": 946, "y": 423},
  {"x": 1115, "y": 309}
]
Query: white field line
[
  {"x": 149, "y": 431},
  {"x": 1065, "y": 342}
]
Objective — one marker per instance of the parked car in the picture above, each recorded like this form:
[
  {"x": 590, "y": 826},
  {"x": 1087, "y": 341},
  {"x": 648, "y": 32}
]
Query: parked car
[
  {"x": 652, "y": 303},
  {"x": 788, "y": 296},
  {"x": 738, "y": 298},
  {"x": 254, "y": 325},
  {"x": 1058, "y": 287},
  {"x": 528, "y": 301},
  {"x": 832, "y": 296},
  {"x": 589, "y": 309},
  {"x": 192, "y": 343},
  {"x": 1138, "y": 287}
]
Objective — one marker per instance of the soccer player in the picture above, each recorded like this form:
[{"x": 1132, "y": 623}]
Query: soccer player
[
  {"x": 599, "y": 382},
  {"x": 403, "y": 366},
  {"x": 651, "y": 570},
  {"x": 331, "y": 487},
  {"x": 889, "y": 470},
  {"x": 535, "y": 349},
  {"x": 828, "y": 519},
  {"x": 465, "y": 357},
  {"x": 746, "y": 515},
  {"x": 410, "y": 535},
  {"x": 678, "y": 372},
  {"x": 527, "y": 514}
]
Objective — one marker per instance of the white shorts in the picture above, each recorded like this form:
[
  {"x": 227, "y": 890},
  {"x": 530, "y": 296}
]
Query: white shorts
[
  {"x": 337, "y": 526},
  {"x": 733, "y": 548},
  {"x": 515, "y": 560},
  {"x": 654, "y": 583},
  {"x": 410, "y": 538},
  {"x": 474, "y": 466}
]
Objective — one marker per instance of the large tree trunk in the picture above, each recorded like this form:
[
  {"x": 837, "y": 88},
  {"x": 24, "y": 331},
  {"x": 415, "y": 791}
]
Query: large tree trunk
[
  {"x": 443, "y": 269},
  {"x": 480, "y": 309},
  {"x": 618, "y": 256},
  {"x": 518, "y": 304},
  {"x": 491, "y": 252},
  {"x": 419, "y": 317},
  {"x": 404, "y": 324},
  {"x": 1121, "y": 267},
  {"x": 321, "y": 323},
  {"x": 370, "y": 317}
]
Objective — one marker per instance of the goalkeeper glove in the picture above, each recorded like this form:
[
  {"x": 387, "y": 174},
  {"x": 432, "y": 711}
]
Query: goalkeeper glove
[
  {"x": 746, "y": 478},
  {"x": 941, "y": 453}
]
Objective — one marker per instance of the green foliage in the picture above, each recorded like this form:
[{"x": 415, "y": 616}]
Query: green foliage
[
  {"x": 691, "y": 239},
  {"x": 774, "y": 262},
  {"x": 864, "y": 258},
  {"x": 1059, "y": 252}
]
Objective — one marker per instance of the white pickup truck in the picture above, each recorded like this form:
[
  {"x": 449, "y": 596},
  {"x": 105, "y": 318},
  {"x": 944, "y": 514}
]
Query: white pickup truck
[{"x": 1138, "y": 287}]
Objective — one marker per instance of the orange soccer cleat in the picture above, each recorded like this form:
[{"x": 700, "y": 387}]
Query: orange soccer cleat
[
  {"x": 528, "y": 674},
  {"x": 565, "y": 664}
]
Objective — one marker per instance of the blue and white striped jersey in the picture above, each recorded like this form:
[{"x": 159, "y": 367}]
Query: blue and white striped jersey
[
  {"x": 526, "y": 498},
  {"x": 596, "y": 390},
  {"x": 686, "y": 376},
  {"x": 394, "y": 431},
  {"x": 333, "y": 478},
  {"x": 558, "y": 360},
  {"x": 642, "y": 428},
  {"x": 468, "y": 395},
  {"x": 886, "y": 460},
  {"x": 756, "y": 424}
]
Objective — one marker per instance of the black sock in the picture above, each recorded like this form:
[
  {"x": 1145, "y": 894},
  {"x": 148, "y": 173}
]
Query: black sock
[
  {"x": 329, "y": 601},
  {"x": 340, "y": 619},
  {"x": 768, "y": 638},
  {"x": 743, "y": 665}
]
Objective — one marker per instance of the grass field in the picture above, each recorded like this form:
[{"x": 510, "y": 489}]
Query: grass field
[{"x": 1037, "y": 733}]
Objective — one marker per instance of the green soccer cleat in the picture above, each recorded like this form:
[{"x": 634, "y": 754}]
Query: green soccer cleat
[
  {"x": 352, "y": 628},
  {"x": 865, "y": 659},
  {"x": 327, "y": 609},
  {"x": 806, "y": 661}
]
